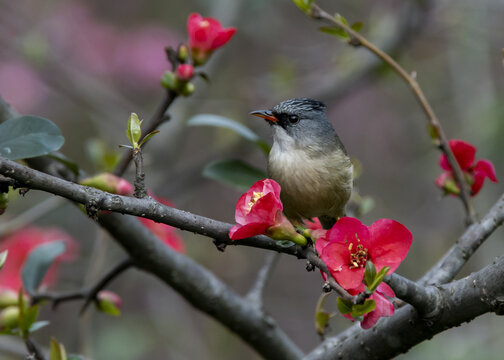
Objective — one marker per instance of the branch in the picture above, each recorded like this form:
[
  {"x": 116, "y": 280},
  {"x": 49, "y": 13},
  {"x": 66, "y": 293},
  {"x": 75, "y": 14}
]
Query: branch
[
  {"x": 256, "y": 293},
  {"x": 451, "y": 263},
  {"x": 89, "y": 294},
  {"x": 157, "y": 119},
  {"x": 442, "y": 142},
  {"x": 460, "y": 301},
  {"x": 34, "y": 351},
  {"x": 140, "y": 191}
]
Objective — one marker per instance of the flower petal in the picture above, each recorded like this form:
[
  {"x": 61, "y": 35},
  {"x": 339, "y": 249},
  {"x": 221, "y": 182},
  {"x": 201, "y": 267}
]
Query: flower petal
[
  {"x": 244, "y": 231},
  {"x": 337, "y": 258},
  {"x": 487, "y": 168},
  {"x": 349, "y": 230},
  {"x": 389, "y": 244},
  {"x": 464, "y": 153},
  {"x": 383, "y": 308}
]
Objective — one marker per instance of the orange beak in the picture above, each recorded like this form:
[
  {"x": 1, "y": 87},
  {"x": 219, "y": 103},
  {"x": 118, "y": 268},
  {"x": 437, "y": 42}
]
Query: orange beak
[{"x": 265, "y": 114}]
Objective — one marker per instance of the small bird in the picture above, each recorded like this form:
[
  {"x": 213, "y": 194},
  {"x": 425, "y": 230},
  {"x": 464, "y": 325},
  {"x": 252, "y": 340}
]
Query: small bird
[{"x": 309, "y": 161}]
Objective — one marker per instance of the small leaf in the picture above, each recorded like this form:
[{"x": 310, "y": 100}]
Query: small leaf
[
  {"x": 38, "y": 262},
  {"x": 134, "y": 132},
  {"x": 322, "y": 321},
  {"x": 335, "y": 31},
  {"x": 38, "y": 325},
  {"x": 3, "y": 257},
  {"x": 433, "y": 131},
  {"x": 304, "y": 5},
  {"x": 340, "y": 18},
  {"x": 29, "y": 136},
  {"x": 223, "y": 122},
  {"x": 344, "y": 306},
  {"x": 108, "y": 307},
  {"x": 357, "y": 26},
  {"x": 379, "y": 278},
  {"x": 57, "y": 351},
  {"x": 147, "y": 137},
  {"x": 369, "y": 273},
  {"x": 359, "y": 310},
  {"x": 103, "y": 157},
  {"x": 233, "y": 172},
  {"x": 29, "y": 318}
]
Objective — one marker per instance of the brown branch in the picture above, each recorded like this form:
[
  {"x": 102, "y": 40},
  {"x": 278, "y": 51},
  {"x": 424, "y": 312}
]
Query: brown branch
[
  {"x": 156, "y": 120},
  {"x": 356, "y": 39},
  {"x": 140, "y": 191}
]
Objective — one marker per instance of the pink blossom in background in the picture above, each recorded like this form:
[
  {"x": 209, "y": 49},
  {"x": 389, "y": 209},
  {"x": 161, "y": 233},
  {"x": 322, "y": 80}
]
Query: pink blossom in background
[
  {"x": 20, "y": 86},
  {"x": 21, "y": 243}
]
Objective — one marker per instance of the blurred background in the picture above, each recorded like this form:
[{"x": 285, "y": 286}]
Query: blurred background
[{"x": 86, "y": 65}]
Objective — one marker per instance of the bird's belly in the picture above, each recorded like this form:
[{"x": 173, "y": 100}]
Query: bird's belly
[{"x": 312, "y": 186}]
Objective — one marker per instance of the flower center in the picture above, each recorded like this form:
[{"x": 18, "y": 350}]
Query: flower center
[
  {"x": 359, "y": 257},
  {"x": 204, "y": 24},
  {"x": 255, "y": 196}
]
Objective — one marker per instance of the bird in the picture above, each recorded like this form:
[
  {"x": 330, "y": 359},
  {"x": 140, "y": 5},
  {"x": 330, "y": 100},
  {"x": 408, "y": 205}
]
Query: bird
[{"x": 308, "y": 161}]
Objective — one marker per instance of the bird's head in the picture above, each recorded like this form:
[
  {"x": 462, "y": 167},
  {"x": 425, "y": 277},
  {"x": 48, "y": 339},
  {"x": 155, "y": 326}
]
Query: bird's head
[{"x": 304, "y": 120}]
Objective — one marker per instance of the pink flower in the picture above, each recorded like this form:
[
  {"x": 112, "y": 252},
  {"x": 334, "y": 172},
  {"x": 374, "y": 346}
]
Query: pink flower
[
  {"x": 185, "y": 72},
  {"x": 21, "y": 243},
  {"x": 474, "y": 173},
  {"x": 257, "y": 210},
  {"x": 384, "y": 306},
  {"x": 205, "y": 36},
  {"x": 165, "y": 233},
  {"x": 350, "y": 244}
]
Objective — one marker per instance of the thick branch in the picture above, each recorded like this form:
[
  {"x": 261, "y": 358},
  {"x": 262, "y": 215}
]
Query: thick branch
[
  {"x": 460, "y": 301},
  {"x": 451, "y": 263},
  {"x": 358, "y": 40}
]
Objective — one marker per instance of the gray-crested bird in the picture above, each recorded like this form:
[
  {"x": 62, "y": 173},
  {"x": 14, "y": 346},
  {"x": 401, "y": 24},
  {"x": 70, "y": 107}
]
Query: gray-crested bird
[{"x": 309, "y": 161}]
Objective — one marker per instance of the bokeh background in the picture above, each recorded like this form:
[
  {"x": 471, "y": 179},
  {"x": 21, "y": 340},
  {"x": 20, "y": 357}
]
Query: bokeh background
[{"x": 87, "y": 64}]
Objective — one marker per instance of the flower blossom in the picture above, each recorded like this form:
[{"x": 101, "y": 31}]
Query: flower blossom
[
  {"x": 259, "y": 211},
  {"x": 21, "y": 243},
  {"x": 349, "y": 244},
  {"x": 185, "y": 72},
  {"x": 474, "y": 172},
  {"x": 205, "y": 36}
]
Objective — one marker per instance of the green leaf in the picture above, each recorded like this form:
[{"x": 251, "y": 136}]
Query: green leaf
[
  {"x": 304, "y": 5},
  {"x": 359, "y": 310},
  {"x": 341, "y": 19},
  {"x": 38, "y": 325},
  {"x": 57, "y": 351},
  {"x": 344, "y": 306},
  {"x": 29, "y": 136},
  {"x": 134, "y": 132},
  {"x": 369, "y": 273},
  {"x": 233, "y": 172},
  {"x": 103, "y": 157},
  {"x": 322, "y": 321},
  {"x": 335, "y": 31},
  {"x": 433, "y": 131},
  {"x": 357, "y": 26},
  {"x": 108, "y": 308},
  {"x": 223, "y": 122},
  {"x": 379, "y": 278},
  {"x": 3, "y": 257},
  {"x": 147, "y": 137},
  {"x": 38, "y": 263},
  {"x": 29, "y": 318}
]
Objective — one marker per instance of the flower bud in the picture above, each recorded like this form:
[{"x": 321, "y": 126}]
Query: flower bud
[
  {"x": 188, "y": 89},
  {"x": 169, "y": 80},
  {"x": 182, "y": 53},
  {"x": 8, "y": 297},
  {"x": 109, "y": 183},
  {"x": 9, "y": 317},
  {"x": 109, "y": 302},
  {"x": 185, "y": 72},
  {"x": 283, "y": 230}
]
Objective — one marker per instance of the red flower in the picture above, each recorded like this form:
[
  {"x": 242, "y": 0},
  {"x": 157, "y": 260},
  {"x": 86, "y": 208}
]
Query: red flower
[
  {"x": 257, "y": 210},
  {"x": 21, "y": 243},
  {"x": 185, "y": 72},
  {"x": 350, "y": 244},
  {"x": 205, "y": 36},
  {"x": 475, "y": 173},
  {"x": 165, "y": 233},
  {"x": 384, "y": 306}
]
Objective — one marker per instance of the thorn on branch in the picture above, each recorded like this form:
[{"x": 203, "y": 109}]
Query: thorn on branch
[{"x": 221, "y": 246}]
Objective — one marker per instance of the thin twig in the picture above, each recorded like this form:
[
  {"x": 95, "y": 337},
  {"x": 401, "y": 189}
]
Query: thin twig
[
  {"x": 255, "y": 294},
  {"x": 89, "y": 294},
  {"x": 34, "y": 351},
  {"x": 157, "y": 119},
  {"x": 357, "y": 39},
  {"x": 140, "y": 191}
]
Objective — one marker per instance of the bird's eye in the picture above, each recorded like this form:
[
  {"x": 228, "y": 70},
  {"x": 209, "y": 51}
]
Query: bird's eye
[{"x": 293, "y": 119}]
